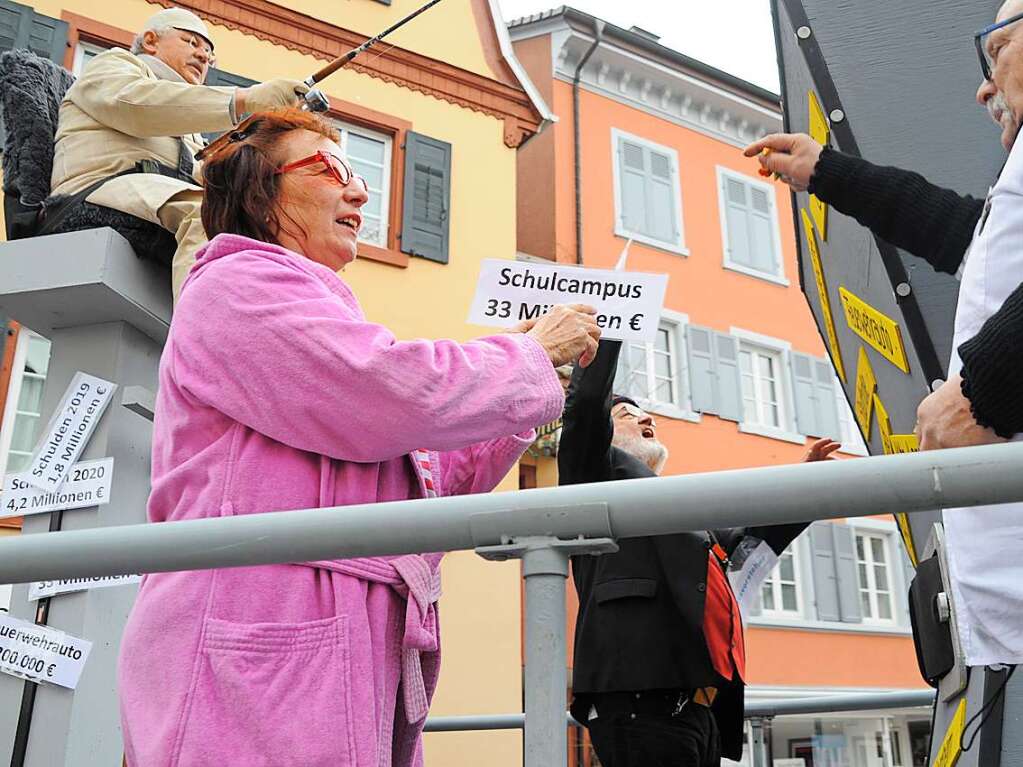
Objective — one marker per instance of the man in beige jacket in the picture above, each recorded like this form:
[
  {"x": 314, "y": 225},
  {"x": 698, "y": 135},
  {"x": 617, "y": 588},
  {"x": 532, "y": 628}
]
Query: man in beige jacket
[{"x": 149, "y": 106}]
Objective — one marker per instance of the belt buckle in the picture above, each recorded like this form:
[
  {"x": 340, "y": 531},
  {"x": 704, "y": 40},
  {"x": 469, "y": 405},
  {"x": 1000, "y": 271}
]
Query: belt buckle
[{"x": 680, "y": 704}]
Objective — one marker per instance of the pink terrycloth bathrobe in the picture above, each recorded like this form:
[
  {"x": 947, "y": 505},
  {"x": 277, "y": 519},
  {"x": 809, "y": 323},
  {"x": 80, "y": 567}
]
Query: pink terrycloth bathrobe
[{"x": 276, "y": 393}]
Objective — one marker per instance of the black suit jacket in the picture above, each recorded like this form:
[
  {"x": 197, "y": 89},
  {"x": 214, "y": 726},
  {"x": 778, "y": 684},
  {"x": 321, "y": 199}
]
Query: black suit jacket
[{"x": 640, "y": 623}]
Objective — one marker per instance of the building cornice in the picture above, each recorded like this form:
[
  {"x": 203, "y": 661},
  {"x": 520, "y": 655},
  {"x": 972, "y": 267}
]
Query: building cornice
[
  {"x": 305, "y": 34},
  {"x": 656, "y": 86}
]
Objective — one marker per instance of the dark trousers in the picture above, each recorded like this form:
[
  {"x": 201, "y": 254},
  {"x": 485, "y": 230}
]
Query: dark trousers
[{"x": 687, "y": 739}]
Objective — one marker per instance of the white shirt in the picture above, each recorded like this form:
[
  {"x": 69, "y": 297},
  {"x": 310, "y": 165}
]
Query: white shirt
[{"x": 985, "y": 543}]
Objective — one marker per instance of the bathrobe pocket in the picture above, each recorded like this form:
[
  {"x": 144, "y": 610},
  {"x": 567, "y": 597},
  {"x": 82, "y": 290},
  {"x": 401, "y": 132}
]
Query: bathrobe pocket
[{"x": 272, "y": 694}]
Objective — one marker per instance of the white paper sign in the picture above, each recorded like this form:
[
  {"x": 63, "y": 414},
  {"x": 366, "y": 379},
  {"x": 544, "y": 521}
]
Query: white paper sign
[
  {"x": 41, "y": 654},
  {"x": 41, "y": 589},
  {"x": 88, "y": 484},
  {"x": 751, "y": 563},
  {"x": 628, "y": 304},
  {"x": 69, "y": 430}
]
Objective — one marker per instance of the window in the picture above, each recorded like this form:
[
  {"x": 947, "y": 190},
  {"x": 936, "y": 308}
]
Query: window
[
  {"x": 21, "y": 421},
  {"x": 648, "y": 206},
  {"x": 779, "y": 593},
  {"x": 370, "y": 155},
  {"x": 653, "y": 374},
  {"x": 749, "y": 227},
  {"x": 761, "y": 386},
  {"x": 84, "y": 53},
  {"x": 872, "y": 563}
]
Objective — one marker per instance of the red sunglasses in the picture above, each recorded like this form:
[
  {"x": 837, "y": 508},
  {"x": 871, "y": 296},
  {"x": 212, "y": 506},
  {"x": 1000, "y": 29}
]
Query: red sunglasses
[{"x": 336, "y": 167}]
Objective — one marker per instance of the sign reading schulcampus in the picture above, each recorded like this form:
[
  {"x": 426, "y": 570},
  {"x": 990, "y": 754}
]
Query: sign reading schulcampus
[{"x": 628, "y": 304}]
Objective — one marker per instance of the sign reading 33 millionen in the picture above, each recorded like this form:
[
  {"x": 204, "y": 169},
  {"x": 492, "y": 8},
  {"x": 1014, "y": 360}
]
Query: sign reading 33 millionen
[{"x": 628, "y": 304}]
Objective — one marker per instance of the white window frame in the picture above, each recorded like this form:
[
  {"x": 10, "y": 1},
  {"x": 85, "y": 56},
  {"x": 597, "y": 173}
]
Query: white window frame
[
  {"x": 786, "y": 404},
  {"x": 678, "y": 245},
  {"x": 683, "y": 409},
  {"x": 775, "y": 582},
  {"x": 885, "y": 530},
  {"x": 78, "y": 62},
  {"x": 385, "y": 194},
  {"x": 777, "y": 278}
]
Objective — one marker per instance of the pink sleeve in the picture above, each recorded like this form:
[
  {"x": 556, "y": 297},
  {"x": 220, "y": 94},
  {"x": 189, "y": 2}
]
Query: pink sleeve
[
  {"x": 272, "y": 347},
  {"x": 479, "y": 468}
]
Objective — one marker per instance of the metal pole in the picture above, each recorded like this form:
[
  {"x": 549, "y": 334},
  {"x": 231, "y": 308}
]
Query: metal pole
[
  {"x": 758, "y": 746},
  {"x": 657, "y": 506},
  {"x": 546, "y": 685}
]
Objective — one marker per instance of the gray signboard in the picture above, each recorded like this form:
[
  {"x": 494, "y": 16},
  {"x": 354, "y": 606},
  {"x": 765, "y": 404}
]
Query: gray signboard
[{"x": 895, "y": 83}]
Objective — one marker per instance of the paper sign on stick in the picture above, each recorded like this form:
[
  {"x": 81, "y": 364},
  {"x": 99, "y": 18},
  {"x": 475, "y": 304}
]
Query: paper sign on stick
[
  {"x": 628, "y": 304},
  {"x": 878, "y": 330},
  {"x": 41, "y": 589},
  {"x": 822, "y": 291},
  {"x": 866, "y": 385},
  {"x": 69, "y": 430},
  {"x": 41, "y": 654},
  {"x": 88, "y": 484},
  {"x": 820, "y": 131}
]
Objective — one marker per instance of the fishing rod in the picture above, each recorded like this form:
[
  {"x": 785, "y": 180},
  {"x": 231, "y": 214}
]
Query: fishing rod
[{"x": 314, "y": 100}]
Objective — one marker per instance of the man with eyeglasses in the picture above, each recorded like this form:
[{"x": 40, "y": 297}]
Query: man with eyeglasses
[
  {"x": 659, "y": 648},
  {"x": 981, "y": 241},
  {"x": 130, "y": 126}
]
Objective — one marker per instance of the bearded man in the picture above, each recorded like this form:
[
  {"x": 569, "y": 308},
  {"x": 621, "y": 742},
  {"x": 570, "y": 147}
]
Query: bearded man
[{"x": 659, "y": 653}]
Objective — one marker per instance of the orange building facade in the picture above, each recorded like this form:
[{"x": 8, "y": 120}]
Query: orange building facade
[{"x": 738, "y": 376}]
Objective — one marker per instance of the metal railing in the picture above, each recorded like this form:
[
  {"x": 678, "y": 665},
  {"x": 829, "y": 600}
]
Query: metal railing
[{"x": 542, "y": 527}]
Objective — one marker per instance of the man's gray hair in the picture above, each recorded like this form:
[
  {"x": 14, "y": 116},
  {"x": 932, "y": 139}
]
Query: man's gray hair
[{"x": 136, "y": 44}]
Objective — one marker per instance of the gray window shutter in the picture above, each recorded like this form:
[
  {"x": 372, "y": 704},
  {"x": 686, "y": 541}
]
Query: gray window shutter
[
  {"x": 632, "y": 172},
  {"x": 761, "y": 231},
  {"x": 729, "y": 380},
  {"x": 222, "y": 78},
  {"x": 804, "y": 394},
  {"x": 737, "y": 220},
  {"x": 660, "y": 213},
  {"x": 825, "y": 585},
  {"x": 847, "y": 576},
  {"x": 901, "y": 595},
  {"x": 425, "y": 217},
  {"x": 826, "y": 400},
  {"x": 702, "y": 376}
]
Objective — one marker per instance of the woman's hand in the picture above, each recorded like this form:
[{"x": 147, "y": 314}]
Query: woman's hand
[
  {"x": 566, "y": 333},
  {"x": 793, "y": 157}
]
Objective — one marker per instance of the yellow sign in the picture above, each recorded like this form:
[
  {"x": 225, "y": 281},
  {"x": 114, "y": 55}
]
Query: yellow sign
[
  {"x": 876, "y": 329},
  {"x": 866, "y": 385},
  {"x": 951, "y": 744},
  {"x": 884, "y": 426},
  {"x": 822, "y": 291},
  {"x": 907, "y": 537},
  {"x": 820, "y": 131},
  {"x": 904, "y": 443}
]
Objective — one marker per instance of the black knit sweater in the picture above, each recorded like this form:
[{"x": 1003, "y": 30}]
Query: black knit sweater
[{"x": 937, "y": 225}]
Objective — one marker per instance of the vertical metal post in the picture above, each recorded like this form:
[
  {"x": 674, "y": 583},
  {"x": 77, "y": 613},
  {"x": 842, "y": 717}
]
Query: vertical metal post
[
  {"x": 886, "y": 743},
  {"x": 758, "y": 742},
  {"x": 545, "y": 569},
  {"x": 546, "y": 681}
]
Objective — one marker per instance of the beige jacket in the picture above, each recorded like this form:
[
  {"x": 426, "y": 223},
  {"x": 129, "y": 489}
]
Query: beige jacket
[{"x": 119, "y": 112}]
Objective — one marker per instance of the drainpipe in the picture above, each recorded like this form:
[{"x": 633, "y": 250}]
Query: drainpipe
[{"x": 598, "y": 34}]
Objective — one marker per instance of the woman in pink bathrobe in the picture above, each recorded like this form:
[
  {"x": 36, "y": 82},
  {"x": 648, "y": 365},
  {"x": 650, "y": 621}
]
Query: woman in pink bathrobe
[{"x": 276, "y": 393}]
